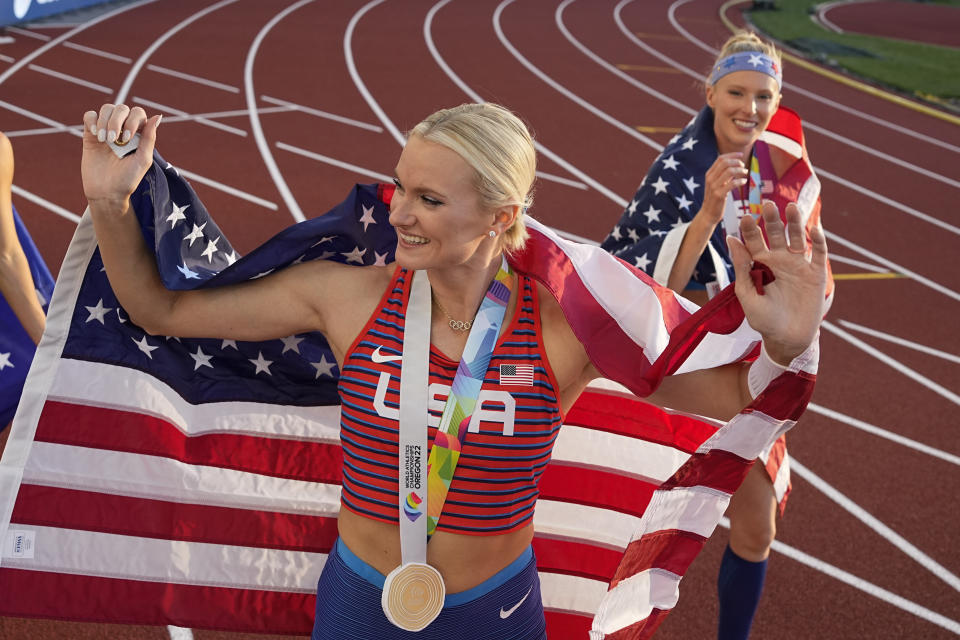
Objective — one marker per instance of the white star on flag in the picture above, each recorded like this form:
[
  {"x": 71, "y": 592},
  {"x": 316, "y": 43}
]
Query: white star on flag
[
  {"x": 660, "y": 186},
  {"x": 188, "y": 273},
  {"x": 262, "y": 364},
  {"x": 615, "y": 234},
  {"x": 688, "y": 145},
  {"x": 755, "y": 60},
  {"x": 381, "y": 259},
  {"x": 177, "y": 214},
  {"x": 196, "y": 234},
  {"x": 683, "y": 203},
  {"x": 632, "y": 234},
  {"x": 260, "y": 275},
  {"x": 145, "y": 346},
  {"x": 169, "y": 167},
  {"x": 120, "y": 317},
  {"x": 5, "y": 361},
  {"x": 322, "y": 240},
  {"x": 673, "y": 139},
  {"x": 670, "y": 163},
  {"x": 367, "y": 218},
  {"x": 323, "y": 367},
  {"x": 210, "y": 250},
  {"x": 633, "y": 207},
  {"x": 291, "y": 343},
  {"x": 652, "y": 214},
  {"x": 232, "y": 257},
  {"x": 642, "y": 262},
  {"x": 691, "y": 184},
  {"x": 201, "y": 359},
  {"x": 354, "y": 256},
  {"x": 228, "y": 343},
  {"x": 98, "y": 312}
]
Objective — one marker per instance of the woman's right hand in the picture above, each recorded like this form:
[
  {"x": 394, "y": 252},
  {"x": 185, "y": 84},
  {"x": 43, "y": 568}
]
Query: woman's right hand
[
  {"x": 107, "y": 179},
  {"x": 727, "y": 173}
]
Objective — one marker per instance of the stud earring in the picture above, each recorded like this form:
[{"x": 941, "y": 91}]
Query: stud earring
[{"x": 492, "y": 233}]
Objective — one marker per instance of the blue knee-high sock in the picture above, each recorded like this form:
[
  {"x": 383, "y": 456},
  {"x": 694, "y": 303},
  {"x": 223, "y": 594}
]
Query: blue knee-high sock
[{"x": 739, "y": 586}]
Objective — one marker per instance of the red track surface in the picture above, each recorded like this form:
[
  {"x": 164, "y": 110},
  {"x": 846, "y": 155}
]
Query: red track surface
[
  {"x": 301, "y": 59},
  {"x": 929, "y": 23}
]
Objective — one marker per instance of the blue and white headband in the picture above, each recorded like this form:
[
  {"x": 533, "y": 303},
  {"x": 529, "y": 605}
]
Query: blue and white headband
[{"x": 747, "y": 61}]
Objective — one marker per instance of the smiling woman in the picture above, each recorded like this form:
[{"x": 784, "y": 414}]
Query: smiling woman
[{"x": 720, "y": 169}]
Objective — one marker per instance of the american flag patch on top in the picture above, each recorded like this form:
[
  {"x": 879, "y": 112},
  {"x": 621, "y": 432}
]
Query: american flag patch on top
[{"x": 518, "y": 374}]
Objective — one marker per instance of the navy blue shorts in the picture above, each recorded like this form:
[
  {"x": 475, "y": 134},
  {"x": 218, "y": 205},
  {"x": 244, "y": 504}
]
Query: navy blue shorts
[{"x": 505, "y": 607}]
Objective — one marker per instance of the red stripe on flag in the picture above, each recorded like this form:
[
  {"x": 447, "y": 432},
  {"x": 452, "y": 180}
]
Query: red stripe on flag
[
  {"x": 116, "y": 430},
  {"x": 633, "y": 417},
  {"x": 42, "y": 594},
  {"x": 576, "y": 558},
  {"x": 595, "y": 488},
  {"x": 562, "y": 625},
  {"x": 717, "y": 469},
  {"x": 780, "y": 404},
  {"x": 672, "y": 550},
  {"x": 89, "y": 511}
]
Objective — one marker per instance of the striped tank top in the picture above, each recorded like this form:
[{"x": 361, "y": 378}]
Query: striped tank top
[{"x": 510, "y": 438}]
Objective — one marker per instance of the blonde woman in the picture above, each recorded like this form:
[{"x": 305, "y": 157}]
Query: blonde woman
[
  {"x": 741, "y": 149},
  {"x": 463, "y": 182}
]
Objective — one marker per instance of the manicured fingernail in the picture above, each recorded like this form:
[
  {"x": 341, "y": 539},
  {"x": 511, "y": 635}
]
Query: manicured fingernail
[
  {"x": 93, "y": 129},
  {"x": 126, "y": 136},
  {"x": 102, "y": 135}
]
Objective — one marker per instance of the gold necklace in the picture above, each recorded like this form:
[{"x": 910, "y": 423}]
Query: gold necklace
[{"x": 456, "y": 325}]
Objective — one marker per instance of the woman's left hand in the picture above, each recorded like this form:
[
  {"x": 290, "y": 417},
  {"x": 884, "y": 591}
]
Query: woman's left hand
[{"x": 789, "y": 311}]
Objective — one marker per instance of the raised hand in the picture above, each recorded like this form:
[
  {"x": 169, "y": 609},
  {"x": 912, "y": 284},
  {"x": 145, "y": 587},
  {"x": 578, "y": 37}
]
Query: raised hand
[
  {"x": 789, "y": 311},
  {"x": 107, "y": 179},
  {"x": 726, "y": 173}
]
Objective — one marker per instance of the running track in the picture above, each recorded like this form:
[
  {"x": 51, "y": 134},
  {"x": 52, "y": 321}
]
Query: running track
[{"x": 867, "y": 549}]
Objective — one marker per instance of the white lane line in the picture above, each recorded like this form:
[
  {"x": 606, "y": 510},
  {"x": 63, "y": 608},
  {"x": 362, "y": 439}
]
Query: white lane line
[
  {"x": 884, "y": 433},
  {"x": 603, "y": 115},
  {"x": 821, "y": 15},
  {"x": 179, "y": 633},
  {"x": 59, "y": 126},
  {"x": 900, "y": 341},
  {"x": 156, "y": 44},
  {"x": 250, "y": 96},
  {"x": 382, "y": 177},
  {"x": 46, "y": 204},
  {"x": 243, "y": 195},
  {"x": 186, "y": 116},
  {"x": 892, "y": 266},
  {"x": 860, "y": 584},
  {"x": 323, "y": 114},
  {"x": 857, "y": 263},
  {"x": 7, "y": 58},
  {"x": 233, "y": 113},
  {"x": 68, "y": 78},
  {"x": 560, "y": 180},
  {"x": 98, "y": 52},
  {"x": 355, "y": 76},
  {"x": 63, "y": 37},
  {"x": 813, "y": 96},
  {"x": 34, "y": 132},
  {"x": 799, "y": 90},
  {"x": 192, "y": 78},
  {"x": 29, "y": 34},
  {"x": 875, "y": 525},
  {"x": 887, "y": 360},
  {"x": 428, "y": 36}
]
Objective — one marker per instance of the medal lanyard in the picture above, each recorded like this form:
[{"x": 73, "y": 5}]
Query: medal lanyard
[
  {"x": 420, "y": 510},
  {"x": 755, "y": 188}
]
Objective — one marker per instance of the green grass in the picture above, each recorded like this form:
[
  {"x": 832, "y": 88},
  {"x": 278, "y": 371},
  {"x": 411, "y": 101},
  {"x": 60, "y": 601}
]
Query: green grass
[{"x": 920, "y": 69}]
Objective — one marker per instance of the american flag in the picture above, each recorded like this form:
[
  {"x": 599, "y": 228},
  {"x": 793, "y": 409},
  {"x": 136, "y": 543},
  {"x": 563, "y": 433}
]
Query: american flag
[
  {"x": 196, "y": 482},
  {"x": 16, "y": 346},
  {"x": 516, "y": 374},
  {"x": 650, "y": 230}
]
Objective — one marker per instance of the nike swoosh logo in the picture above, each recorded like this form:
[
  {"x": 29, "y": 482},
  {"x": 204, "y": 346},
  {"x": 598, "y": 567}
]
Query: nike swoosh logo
[
  {"x": 506, "y": 613},
  {"x": 380, "y": 358}
]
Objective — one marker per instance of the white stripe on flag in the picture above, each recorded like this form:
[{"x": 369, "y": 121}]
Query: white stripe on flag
[
  {"x": 572, "y": 594},
  {"x": 91, "y": 553},
  {"x": 587, "y": 447},
  {"x": 748, "y": 442},
  {"x": 634, "y": 599},
  {"x": 694, "y": 509},
  {"x": 103, "y": 385},
  {"x": 157, "y": 478},
  {"x": 592, "y": 525}
]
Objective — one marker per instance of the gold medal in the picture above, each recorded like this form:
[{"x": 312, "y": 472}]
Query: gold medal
[{"x": 413, "y": 596}]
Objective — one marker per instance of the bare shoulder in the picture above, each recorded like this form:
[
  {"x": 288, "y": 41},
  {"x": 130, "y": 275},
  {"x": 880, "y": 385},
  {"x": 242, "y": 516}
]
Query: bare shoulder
[{"x": 566, "y": 354}]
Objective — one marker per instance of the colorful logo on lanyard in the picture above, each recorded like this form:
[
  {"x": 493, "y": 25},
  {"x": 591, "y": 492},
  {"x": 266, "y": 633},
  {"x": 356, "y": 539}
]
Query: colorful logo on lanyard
[
  {"x": 755, "y": 195},
  {"x": 411, "y": 506}
]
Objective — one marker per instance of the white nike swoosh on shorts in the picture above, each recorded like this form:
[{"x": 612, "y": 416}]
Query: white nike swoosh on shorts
[
  {"x": 380, "y": 358},
  {"x": 506, "y": 613}
]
